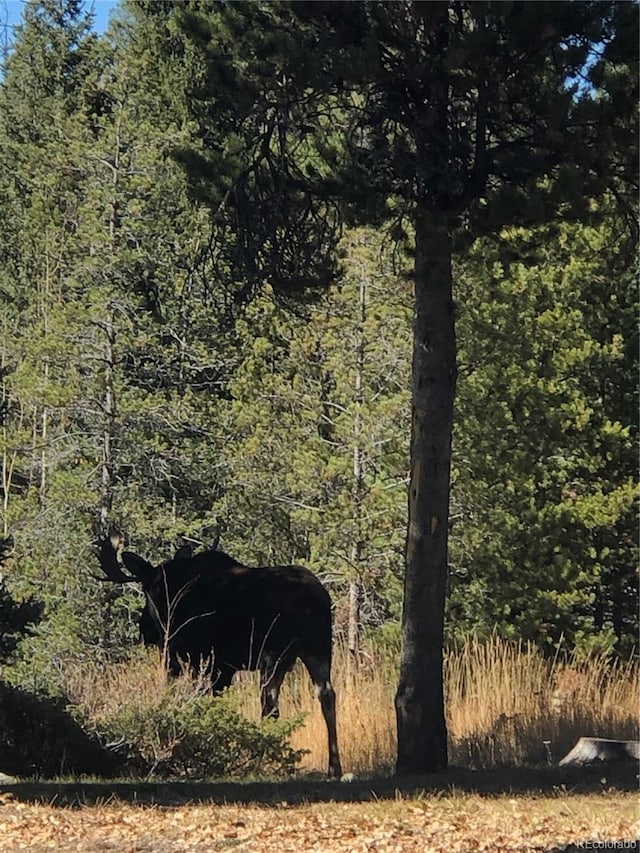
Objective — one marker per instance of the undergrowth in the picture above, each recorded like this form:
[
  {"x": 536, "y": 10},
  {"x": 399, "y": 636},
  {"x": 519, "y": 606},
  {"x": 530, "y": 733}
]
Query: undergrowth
[{"x": 506, "y": 705}]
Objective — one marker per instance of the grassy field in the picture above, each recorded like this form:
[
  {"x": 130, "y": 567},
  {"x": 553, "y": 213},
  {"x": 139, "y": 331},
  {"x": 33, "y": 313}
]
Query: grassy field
[{"x": 506, "y": 705}]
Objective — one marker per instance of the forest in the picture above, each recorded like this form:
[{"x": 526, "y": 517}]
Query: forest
[{"x": 211, "y": 236}]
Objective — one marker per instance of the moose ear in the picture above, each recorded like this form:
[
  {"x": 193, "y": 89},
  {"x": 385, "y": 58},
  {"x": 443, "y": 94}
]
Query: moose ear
[
  {"x": 185, "y": 552},
  {"x": 138, "y": 566}
]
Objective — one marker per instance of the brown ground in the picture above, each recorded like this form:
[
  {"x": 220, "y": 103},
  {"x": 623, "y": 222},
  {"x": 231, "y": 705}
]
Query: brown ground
[{"x": 510, "y": 811}]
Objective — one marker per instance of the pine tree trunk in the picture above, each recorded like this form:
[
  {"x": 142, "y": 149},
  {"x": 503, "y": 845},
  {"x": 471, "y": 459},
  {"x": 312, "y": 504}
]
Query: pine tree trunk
[
  {"x": 108, "y": 435},
  {"x": 353, "y": 629},
  {"x": 358, "y": 546},
  {"x": 106, "y": 474},
  {"x": 422, "y": 734}
]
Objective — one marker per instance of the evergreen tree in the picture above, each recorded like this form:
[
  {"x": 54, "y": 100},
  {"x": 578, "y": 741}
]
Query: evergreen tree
[
  {"x": 42, "y": 98},
  {"x": 448, "y": 113},
  {"x": 544, "y": 460},
  {"x": 16, "y": 617},
  {"x": 100, "y": 337},
  {"x": 315, "y": 466}
]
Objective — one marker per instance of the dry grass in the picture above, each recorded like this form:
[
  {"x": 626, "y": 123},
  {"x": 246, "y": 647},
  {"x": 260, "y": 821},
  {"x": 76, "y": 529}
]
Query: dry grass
[
  {"x": 101, "y": 692},
  {"x": 506, "y": 705}
]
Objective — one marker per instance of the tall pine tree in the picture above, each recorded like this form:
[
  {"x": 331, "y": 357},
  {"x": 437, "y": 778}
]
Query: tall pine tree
[{"x": 442, "y": 113}]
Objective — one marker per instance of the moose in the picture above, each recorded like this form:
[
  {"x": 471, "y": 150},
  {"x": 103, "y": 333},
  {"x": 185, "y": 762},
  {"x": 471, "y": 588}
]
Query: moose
[{"x": 209, "y": 608}]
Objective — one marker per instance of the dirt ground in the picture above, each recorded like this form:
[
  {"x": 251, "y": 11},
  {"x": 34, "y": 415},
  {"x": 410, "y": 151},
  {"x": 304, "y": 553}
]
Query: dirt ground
[{"x": 490, "y": 812}]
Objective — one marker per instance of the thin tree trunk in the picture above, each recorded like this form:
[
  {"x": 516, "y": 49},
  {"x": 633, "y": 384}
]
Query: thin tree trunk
[
  {"x": 110, "y": 413},
  {"x": 353, "y": 629},
  {"x": 44, "y": 423},
  {"x": 8, "y": 457},
  {"x": 357, "y": 549},
  {"x": 106, "y": 474},
  {"x": 422, "y": 733}
]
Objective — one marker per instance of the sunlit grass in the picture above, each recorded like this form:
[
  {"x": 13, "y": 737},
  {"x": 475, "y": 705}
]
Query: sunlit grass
[
  {"x": 505, "y": 704},
  {"x": 508, "y": 705}
]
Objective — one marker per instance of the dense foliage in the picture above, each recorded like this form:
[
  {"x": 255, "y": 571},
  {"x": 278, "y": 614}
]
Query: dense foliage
[
  {"x": 203, "y": 737},
  {"x": 151, "y": 378}
]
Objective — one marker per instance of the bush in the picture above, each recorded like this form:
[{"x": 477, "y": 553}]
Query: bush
[
  {"x": 203, "y": 737},
  {"x": 174, "y": 727}
]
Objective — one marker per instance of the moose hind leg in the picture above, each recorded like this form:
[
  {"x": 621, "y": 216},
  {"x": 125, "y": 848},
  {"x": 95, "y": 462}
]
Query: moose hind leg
[
  {"x": 320, "y": 672},
  {"x": 271, "y": 678}
]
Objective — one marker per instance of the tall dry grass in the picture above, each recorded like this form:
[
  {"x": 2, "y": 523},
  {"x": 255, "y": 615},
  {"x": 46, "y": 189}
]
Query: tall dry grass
[{"x": 506, "y": 704}]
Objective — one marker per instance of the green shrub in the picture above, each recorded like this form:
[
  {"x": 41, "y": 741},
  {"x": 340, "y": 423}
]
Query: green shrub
[{"x": 198, "y": 737}]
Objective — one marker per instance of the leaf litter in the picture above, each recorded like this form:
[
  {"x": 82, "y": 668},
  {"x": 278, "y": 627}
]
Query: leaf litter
[{"x": 456, "y": 824}]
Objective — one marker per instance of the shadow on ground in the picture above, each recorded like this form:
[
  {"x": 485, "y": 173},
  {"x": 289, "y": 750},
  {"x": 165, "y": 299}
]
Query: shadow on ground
[{"x": 548, "y": 781}]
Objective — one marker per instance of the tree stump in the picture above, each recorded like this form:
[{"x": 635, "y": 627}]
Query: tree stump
[{"x": 591, "y": 749}]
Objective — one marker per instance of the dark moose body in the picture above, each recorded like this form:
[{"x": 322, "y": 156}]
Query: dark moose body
[{"x": 210, "y": 609}]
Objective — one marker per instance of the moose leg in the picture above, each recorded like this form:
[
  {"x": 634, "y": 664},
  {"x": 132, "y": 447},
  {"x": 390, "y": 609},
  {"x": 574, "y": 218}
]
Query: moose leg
[
  {"x": 271, "y": 678},
  {"x": 320, "y": 672},
  {"x": 172, "y": 664},
  {"x": 221, "y": 679}
]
